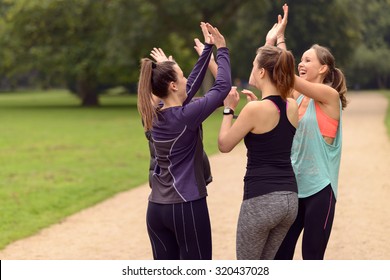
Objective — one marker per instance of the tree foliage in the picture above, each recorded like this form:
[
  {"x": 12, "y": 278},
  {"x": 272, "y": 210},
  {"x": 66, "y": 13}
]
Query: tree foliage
[
  {"x": 369, "y": 66},
  {"x": 90, "y": 45}
]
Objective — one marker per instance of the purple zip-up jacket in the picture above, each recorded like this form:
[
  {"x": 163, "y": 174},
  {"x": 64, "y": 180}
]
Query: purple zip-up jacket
[{"x": 176, "y": 136}]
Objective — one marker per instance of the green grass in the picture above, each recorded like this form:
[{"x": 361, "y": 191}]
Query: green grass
[
  {"x": 58, "y": 158},
  {"x": 387, "y": 118}
]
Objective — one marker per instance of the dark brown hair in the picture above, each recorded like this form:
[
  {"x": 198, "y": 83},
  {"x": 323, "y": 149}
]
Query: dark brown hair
[
  {"x": 334, "y": 76},
  {"x": 154, "y": 79},
  {"x": 280, "y": 66}
]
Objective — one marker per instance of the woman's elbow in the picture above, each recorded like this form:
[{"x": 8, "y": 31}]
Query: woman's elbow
[{"x": 223, "y": 147}]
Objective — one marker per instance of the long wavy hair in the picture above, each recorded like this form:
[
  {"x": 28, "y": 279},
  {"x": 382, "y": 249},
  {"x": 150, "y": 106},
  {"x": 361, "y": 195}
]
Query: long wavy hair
[{"x": 334, "y": 76}]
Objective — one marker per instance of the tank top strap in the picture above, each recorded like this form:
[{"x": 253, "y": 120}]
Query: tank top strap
[{"x": 280, "y": 104}]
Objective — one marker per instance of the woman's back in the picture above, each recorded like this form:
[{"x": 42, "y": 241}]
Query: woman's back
[
  {"x": 269, "y": 155},
  {"x": 179, "y": 156}
]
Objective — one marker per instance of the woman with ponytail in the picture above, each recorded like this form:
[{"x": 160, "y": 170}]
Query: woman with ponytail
[
  {"x": 320, "y": 92},
  {"x": 177, "y": 216},
  {"x": 267, "y": 126}
]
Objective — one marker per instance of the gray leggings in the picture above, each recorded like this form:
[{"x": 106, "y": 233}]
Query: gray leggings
[{"x": 263, "y": 223}]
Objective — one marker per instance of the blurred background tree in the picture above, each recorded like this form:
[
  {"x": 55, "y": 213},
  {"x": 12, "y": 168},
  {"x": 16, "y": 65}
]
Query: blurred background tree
[
  {"x": 369, "y": 66},
  {"x": 90, "y": 46}
]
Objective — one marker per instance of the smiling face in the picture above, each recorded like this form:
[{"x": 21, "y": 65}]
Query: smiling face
[{"x": 310, "y": 67}]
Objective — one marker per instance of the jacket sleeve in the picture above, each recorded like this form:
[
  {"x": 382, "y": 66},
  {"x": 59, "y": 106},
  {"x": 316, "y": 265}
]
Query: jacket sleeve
[
  {"x": 197, "y": 111},
  {"x": 197, "y": 74}
]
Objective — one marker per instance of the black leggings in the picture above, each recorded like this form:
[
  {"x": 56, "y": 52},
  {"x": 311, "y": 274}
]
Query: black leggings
[
  {"x": 315, "y": 216},
  {"x": 180, "y": 231}
]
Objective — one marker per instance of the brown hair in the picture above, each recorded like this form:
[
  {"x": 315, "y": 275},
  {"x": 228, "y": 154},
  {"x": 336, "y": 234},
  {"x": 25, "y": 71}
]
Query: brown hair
[
  {"x": 280, "y": 66},
  {"x": 334, "y": 76},
  {"x": 154, "y": 79}
]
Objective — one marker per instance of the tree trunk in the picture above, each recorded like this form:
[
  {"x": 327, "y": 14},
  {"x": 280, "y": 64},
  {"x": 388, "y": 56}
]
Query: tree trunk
[{"x": 88, "y": 93}]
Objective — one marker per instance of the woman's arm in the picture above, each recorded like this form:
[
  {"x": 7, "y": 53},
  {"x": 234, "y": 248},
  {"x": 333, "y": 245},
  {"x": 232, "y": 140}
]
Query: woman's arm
[
  {"x": 195, "y": 79},
  {"x": 231, "y": 134},
  {"x": 319, "y": 92},
  {"x": 213, "y": 67},
  {"x": 197, "y": 111},
  {"x": 276, "y": 34},
  {"x": 282, "y": 24}
]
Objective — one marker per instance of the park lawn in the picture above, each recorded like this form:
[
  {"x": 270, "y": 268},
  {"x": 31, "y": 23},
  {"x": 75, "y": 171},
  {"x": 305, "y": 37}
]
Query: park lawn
[
  {"x": 58, "y": 158},
  {"x": 387, "y": 118}
]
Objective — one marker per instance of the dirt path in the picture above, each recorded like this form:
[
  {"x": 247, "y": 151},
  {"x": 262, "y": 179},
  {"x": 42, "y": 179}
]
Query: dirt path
[{"x": 115, "y": 229}]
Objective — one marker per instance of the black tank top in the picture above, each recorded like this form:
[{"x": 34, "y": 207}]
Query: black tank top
[{"x": 269, "y": 166}]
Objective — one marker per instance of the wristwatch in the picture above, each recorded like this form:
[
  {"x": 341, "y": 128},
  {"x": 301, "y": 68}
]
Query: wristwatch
[{"x": 228, "y": 111}]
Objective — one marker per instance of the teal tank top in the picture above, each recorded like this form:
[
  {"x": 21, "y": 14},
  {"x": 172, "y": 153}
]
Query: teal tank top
[{"x": 316, "y": 163}]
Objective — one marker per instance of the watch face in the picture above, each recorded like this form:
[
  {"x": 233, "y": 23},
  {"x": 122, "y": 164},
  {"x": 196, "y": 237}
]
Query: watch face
[{"x": 228, "y": 111}]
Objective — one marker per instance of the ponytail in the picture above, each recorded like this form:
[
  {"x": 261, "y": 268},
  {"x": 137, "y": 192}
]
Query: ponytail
[
  {"x": 144, "y": 101},
  {"x": 280, "y": 65},
  {"x": 284, "y": 74},
  {"x": 334, "y": 77},
  {"x": 338, "y": 83},
  {"x": 154, "y": 79}
]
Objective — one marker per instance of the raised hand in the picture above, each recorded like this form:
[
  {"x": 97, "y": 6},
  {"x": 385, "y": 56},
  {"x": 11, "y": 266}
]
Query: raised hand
[
  {"x": 282, "y": 23},
  {"x": 232, "y": 98},
  {"x": 276, "y": 33},
  {"x": 208, "y": 38},
  {"x": 217, "y": 38},
  {"x": 250, "y": 96},
  {"x": 198, "y": 46},
  {"x": 159, "y": 55},
  {"x": 270, "y": 39}
]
